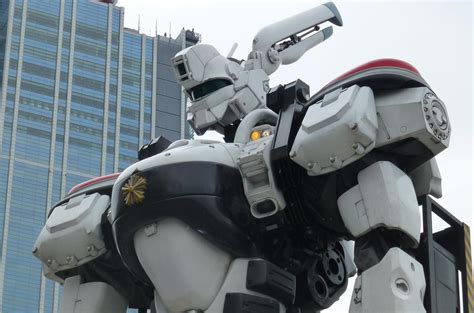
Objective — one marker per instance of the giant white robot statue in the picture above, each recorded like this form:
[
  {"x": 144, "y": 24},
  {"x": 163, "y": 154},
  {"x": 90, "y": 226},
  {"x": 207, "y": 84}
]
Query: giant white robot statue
[{"x": 259, "y": 223}]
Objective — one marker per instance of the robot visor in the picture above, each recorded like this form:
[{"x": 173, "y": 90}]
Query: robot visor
[{"x": 207, "y": 87}]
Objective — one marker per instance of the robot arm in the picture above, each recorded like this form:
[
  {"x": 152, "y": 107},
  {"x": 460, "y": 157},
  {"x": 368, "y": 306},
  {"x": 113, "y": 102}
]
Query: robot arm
[
  {"x": 72, "y": 240},
  {"x": 75, "y": 227},
  {"x": 409, "y": 124},
  {"x": 284, "y": 42},
  {"x": 77, "y": 250},
  {"x": 402, "y": 129}
]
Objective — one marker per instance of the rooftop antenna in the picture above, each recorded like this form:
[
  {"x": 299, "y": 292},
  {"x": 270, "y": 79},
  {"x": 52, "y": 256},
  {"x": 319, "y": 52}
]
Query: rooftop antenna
[
  {"x": 156, "y": 27},
  {"x": 138, "y": 22},
  {"x": 169, "y": 29}
]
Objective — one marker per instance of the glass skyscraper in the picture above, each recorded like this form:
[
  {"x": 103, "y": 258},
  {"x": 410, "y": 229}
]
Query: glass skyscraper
[{"x": 79, "y": 93}]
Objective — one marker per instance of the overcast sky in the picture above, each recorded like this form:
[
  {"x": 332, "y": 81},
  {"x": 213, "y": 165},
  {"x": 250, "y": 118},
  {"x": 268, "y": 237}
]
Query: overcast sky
[{"x": 436, "y": 37}]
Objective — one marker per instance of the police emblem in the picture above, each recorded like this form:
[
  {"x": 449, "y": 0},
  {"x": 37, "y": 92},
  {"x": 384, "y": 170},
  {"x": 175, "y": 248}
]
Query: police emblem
[{"x": 134, "y": 190}]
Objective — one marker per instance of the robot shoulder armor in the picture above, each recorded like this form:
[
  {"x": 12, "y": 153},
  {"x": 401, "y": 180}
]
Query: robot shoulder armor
[
  {"x": 412, "y": 113},
  {"x": 336, "y": 131},
  {"x": 72, "y": 235}
]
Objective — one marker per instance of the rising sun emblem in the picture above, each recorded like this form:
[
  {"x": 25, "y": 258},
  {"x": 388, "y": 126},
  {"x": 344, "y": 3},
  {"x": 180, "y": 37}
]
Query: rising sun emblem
[{"x": 134, "y": 190}]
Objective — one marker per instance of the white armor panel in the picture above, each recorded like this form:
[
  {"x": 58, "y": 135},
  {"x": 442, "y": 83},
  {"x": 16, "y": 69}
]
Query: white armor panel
[
  {"x": 413, "y": 113},
  {"x": 235, "y": 282},
  {"x": 255, "y": 165},
  {"x": 186, "y": 151},
  {"x": 336, "y": 131},
  {"x": 230, "y": 103},
  {"x": 427, "y": 179},
  {"x": 72, "y": 235},
  {"x": 395, "y": 284},
  {"x": 199, "y": 63},
  {"x": 186, "y": 270},
  {"x": 210, "y": 109},
  {"x": 189, "y": 273},
  {"x": 259, "y": 183},
  {"x": 96, "y": 297},
  {"x": 385, "y": 196}
]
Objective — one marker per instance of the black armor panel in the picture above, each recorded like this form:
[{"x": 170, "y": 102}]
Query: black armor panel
[{"x": 208, "y": 197}]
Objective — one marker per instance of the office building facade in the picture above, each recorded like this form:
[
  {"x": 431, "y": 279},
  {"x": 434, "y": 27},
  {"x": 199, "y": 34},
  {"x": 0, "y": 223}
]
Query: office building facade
[{"x": 79, "y": 93}]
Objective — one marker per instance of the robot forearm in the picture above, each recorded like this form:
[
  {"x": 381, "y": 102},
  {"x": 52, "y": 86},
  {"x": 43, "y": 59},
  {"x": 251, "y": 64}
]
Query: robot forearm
[
  {"x": 77, "y": 250},
  {"x": 386, "y": 138},
  {"x": 94, "y": 297},
  {"x": 285, "y": 41}
]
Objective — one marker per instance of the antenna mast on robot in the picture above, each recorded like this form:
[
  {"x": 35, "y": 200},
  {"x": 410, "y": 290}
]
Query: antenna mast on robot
[{"x": 232, "y": 50}]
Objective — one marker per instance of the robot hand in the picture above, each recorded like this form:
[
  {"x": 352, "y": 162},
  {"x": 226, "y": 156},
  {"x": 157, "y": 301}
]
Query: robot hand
[
  {"x": 284, "y": 42},
  {"x": 223, "y": 90}
]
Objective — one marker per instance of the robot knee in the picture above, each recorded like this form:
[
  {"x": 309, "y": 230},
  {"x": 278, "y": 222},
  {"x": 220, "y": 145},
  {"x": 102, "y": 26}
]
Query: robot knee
[
  {"x": 372, "y": 247},
  {"x": 395, "y": 284}
]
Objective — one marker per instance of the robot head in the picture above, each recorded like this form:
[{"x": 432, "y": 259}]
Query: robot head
[{"x": 220, "y": 90}]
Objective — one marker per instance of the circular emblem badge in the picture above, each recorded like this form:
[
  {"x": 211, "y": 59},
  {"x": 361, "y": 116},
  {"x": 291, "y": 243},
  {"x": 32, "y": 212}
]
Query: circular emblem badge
[
  {"x": 436, "y": 116},
  {"x": 134, "y": 190}
]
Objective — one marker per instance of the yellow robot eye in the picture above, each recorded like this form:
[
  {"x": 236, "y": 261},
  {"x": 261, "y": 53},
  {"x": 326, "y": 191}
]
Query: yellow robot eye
[{"x": 255, "y": 135}]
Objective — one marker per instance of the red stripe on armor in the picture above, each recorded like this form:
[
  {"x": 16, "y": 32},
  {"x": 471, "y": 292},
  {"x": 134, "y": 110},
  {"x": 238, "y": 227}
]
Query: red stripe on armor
[
  {"x": 380, "y": 63},
  {"x": 93, "y": 182}
]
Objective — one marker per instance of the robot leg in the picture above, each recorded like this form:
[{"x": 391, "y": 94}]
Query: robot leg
[
  {"x": 186, "y": 270},
  {"x": 190, "y": 274},
  {"x": 382, "y": 213},
  {"x": 395, "y": 284},
  {"x": 96, "y": 297}
]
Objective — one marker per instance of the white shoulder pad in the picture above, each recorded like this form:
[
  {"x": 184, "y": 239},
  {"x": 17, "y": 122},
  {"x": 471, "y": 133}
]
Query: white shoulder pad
[
  {"x": 336, "y": 131},
  {"x": 413, "y": 113},
  {"x": 72, "y": 235}
]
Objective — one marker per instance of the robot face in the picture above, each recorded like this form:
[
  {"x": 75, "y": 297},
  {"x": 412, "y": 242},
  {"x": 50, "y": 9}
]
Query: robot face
[
  {"x": 213, "y": 110},
  {"x": 200, "y": 91},
  {"x": 209, "y": 81},
  {"x": 198, "y": 65}
]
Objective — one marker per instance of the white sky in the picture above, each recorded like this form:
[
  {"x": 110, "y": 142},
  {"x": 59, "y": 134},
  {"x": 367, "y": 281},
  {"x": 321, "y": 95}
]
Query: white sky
[{"x": 436, "y": 37}]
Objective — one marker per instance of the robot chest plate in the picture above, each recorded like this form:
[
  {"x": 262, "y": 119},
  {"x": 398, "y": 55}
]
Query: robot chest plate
[{"x": 196, "y": 183}]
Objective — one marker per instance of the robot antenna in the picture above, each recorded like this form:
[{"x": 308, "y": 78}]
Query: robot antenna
[{"x": 232, "y": 50}]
